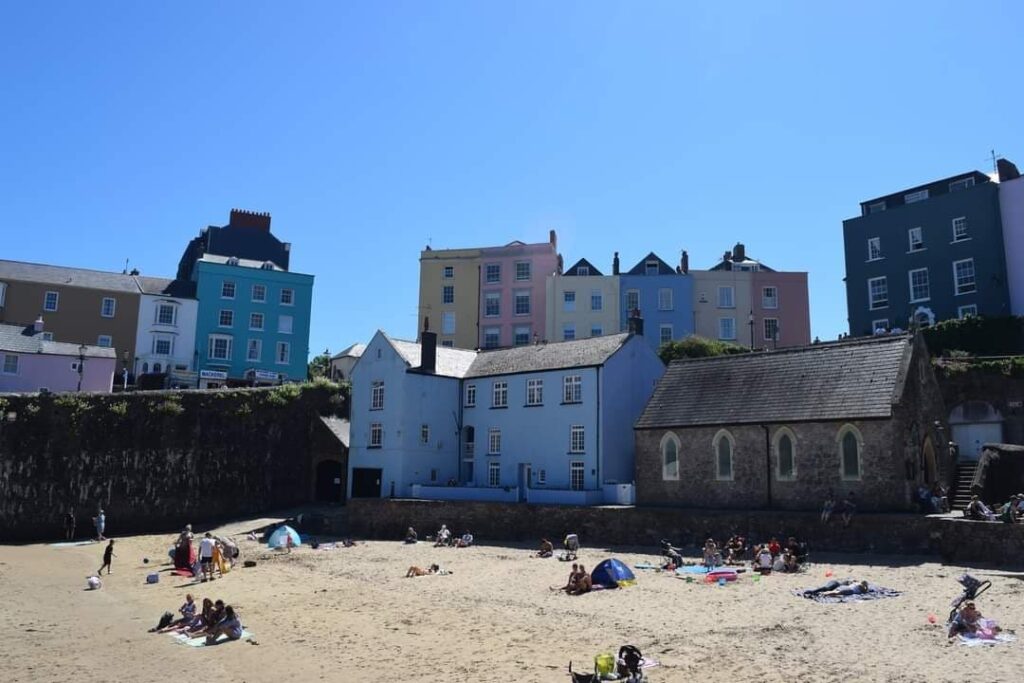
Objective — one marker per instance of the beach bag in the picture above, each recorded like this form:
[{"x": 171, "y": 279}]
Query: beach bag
[
  {"x": 604, "y": 664},
  {"x": 165, "y": 621},
  {"x": 152, "y": 577}
]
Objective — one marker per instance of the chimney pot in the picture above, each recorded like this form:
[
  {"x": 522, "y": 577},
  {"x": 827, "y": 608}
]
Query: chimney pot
[
  {"x": 240, "y": 218},
  {"x": 615, "y": 264},
  {"x": 739, "y": 252},
  {"x": 685, "y": 262},
  {"x": 38, "y": 324}
]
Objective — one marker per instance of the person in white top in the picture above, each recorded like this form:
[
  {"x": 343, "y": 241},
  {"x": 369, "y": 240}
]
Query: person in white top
[{"x": 206, "y": 556}]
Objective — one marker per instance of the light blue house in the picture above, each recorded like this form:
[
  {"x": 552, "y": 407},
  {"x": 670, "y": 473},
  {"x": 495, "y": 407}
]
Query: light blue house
[
  {"x": 663, "y": 295},
  {"x": 547, "y": 423}
]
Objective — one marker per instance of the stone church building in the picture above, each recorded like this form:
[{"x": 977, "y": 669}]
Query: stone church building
[{"x": 780, "y": 429}]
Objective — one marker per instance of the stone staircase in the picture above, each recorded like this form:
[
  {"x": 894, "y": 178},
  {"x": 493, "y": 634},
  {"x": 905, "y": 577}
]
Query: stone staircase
[{"x": 962, "y": 489}]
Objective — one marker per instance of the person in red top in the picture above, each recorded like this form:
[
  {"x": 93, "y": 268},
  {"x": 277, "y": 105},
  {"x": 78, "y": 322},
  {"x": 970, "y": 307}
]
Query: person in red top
[{"x": 773, "y": 547}]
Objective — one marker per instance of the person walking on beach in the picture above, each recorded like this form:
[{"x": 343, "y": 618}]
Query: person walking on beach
[
  {"x": 100, "y": 520},
  {"x": 108, "y": 555},
  {"x": 69, "y": 525},
  {"x": 206, "y": 556}
]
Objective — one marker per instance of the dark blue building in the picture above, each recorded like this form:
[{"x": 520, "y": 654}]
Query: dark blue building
[{"x": 926, "y": 254}]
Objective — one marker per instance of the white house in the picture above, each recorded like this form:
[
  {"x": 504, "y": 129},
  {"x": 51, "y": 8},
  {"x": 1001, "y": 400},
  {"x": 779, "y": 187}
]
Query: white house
[
  {"x": 165, "y": 340},
  {"x": 343, "y": 362}
]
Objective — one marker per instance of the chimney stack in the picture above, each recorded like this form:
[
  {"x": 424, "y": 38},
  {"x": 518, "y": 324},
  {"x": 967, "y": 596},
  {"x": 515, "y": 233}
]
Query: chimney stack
[
  {"x": 37, "y": 326},
  {"x": 1007, "y": 170},
  {"x": 684, "y": 262},
  {"x": 553, "y": 238},
  {"x": 636, "y": 323},
  {"x": 428, "y": 349},
  {"x": 241, "y": 218},
  {"x": 615, "y": 264},
  {"x": 727, "y": 260},
  {"x": 739, "y": 252}
]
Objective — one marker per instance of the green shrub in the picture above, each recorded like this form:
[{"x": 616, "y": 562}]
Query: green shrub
[
  {"x": 977, "y": 336},
  {"x": 698, "y": 347}
]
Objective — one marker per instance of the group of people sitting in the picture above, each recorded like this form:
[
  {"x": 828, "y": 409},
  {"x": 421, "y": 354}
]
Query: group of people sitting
[
  {"x": 933, "y": 500},
  {"x": 215, "y": 620},
  {"x": 443, "y": 538},
  {"x": 968, "y": 621},
  {"x": 775, "y": 557},
  {"x": 579, "y": 581},
  {"x": 1009, "y": 512}
]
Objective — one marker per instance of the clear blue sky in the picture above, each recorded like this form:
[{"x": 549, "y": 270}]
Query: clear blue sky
[{"x": 369, "y": 129}]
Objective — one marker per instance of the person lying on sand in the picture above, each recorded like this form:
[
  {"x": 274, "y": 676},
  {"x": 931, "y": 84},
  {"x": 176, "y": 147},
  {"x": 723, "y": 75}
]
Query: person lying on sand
[
  {"x": 547, "y": 549},
  {"x": 420, "y": 571},
  {"x": 840, "y": 588}
]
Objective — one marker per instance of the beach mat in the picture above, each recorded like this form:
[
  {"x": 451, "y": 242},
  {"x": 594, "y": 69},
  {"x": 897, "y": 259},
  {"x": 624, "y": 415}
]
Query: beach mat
[
  {"x": 646, "y": 565},
  {"x": 700, "y": 569},
  {"x": 183, "y": 572},
  {"x": 71, "y": 544},
  {"x": 997, "y": 639},
  {"x": 201, "y": 640},
  {"x": 876, "y": 593}
]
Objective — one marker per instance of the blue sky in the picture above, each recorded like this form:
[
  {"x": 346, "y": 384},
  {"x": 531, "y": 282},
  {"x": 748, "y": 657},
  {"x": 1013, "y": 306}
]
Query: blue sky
[{"x": 369, "y": 129}]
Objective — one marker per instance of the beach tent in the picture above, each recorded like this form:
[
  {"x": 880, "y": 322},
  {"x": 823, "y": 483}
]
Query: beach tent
[
  {"x": 279, "y": 539},
  {"x": 612, "y": 573}
]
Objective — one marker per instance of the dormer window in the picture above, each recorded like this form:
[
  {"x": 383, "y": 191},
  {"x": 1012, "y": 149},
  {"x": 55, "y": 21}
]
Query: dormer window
[
  {"x": 651, "y": 268},
  {"x": 583, "y": 271},
  {"x": 267, "y": 265},
  {"x": 232, "y": 261}
]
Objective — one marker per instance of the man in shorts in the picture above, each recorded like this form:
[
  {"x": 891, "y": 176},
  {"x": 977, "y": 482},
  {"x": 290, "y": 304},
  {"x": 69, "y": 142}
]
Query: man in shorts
[{"x": 206, "y": 556}]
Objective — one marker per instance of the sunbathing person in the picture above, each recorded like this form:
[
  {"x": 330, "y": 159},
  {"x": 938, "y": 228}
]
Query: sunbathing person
[
  {"x": 465, "y": 541},
  {"x": 229, "y": 626},
  {"x": 583, "y": 583},
  {"x": 547, "y": 549},
  {"x": 420, "y": 571},
  {"x": 979, "y": 511},
  {"x": 712, "y": 558},
  {"x": 840, "y": 588},
  {"x": 411, "y": 536},
  {"x": 573, "y": 578},
  {"x": 967, "y": 621},
  {"x": 444, "y": 537},
  {"x": 188, "y": 615}
]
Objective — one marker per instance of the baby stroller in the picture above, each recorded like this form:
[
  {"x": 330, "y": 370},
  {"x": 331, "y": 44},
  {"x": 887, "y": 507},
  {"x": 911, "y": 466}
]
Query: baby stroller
[
  {"x": 972, "y": 589},
  {"x": 572, "y": 546},
  {"x": 626, "y": 667}
]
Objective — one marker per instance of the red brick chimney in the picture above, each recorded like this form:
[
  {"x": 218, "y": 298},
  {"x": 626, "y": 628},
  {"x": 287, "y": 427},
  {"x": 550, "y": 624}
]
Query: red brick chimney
[{"x": 240, "y": 218}]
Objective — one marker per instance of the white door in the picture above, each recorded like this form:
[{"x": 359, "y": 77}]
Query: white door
[{"x": 971, "y": 437}]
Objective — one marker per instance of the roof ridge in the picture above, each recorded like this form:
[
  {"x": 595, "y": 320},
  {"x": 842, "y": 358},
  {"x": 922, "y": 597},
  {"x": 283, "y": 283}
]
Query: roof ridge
[
  {"x": 50, "y": 265},
  {"x": 856, "y": 341}
]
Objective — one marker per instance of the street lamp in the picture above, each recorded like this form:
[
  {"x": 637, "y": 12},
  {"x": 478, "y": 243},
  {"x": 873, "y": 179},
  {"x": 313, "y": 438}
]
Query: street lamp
[{"x": 81, "y": 363}]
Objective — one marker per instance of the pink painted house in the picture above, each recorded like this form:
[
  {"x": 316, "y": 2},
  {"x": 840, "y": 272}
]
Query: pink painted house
[
  {"x": 513, "y": 279},
  {"x": 780, "y": 304},
  {"x": 29, "y": 361}
]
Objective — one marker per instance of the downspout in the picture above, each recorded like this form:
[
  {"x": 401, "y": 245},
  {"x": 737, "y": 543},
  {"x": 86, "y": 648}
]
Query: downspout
[
  {"x": 768, "y": 462},
  {"x": 598, "y": 432}
]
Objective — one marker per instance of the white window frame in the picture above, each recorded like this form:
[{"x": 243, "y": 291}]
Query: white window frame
[
  {"x": 569, "y": 332},
  {"x": 377, "y": 395},
  {"x": 376, "y": 435},
  {"x": 914, "y": 246},
  {"x": 496, "y": 332},
  {"x": 287, "y": 355},
  {"x": 668, "y": 473},
  {"x": 252, "y": 294},
  {"x": 572, "y": 389},
  {"x": 664, "y": 328},
  {"x": 665, "y": 299},
  {"x": 927, "y": 285},
  {"x": 722, "y": 333},
  {"x": 470, "y": 396},
  {"x": 424, "y": 433},
  {"x": 961, "y": 222},
  {"x": 542, "y": 477},
  {"x": 448, "y": 272},
  {"x": 871, "y": 301},
  {"x": 726, "y": 296},
  {"x": 254, "y": 345},
  {"x": 447, "y": 294},
  {"x": 577, "y": 439},
  {"x": 577, "y": 475},
  {"x": 632, "y": 301},
  {"x": 494, "y": 474},
  {"x": 492, "y": 273},
  {"x": 7, "y": 366},
  {"x": 230, "y": 315},
  {"x": 160, "y": 308},
  {"x": 914, "y": 197},
  {"x": 46, "y": 301},
  {"x": 448, "y": 322},
  {"x": 520, "y": 277},
  {"x": 776, "y": 443},
  {"x": 113, "y": 307},
  {"x": 877, "y": 207},
  {"x": 105, "y": 341},
  {"x": 494, "y": 441},
  {"x": 262, "y": 321},
  {"x": 287, "y": 296},
  {"x": 499, "y": 394},
  {"x": 770, "y": 303},
  {"x": 226, "y": 285},
  {"x": 724, "y": 434},
  {"x": 876, "y": 326},
  {"x": 534, "y": 392},
  {"x": 569, "y": 301},
  {"x": 492, "y": 304},
  {"x": 875, "y": 249},
  {"x": 212, "y": 346},
  {"x": 962, "y": 184},
  {"x": 840, "y": 435},
  {"x": 596, "y": 300},
  {"x": 3, "y": 294},
  {"x": 967, "y": 311},
  {"x": 583, "y": 271},
  {"x": 956, "y": 280},
  {"x": 596, "y": 330},
  {"x": 158, "y": 340},
  {"x": 652, "y": 268},
  {"x": 285, "y": 324},
  {"x": 518, "y": 297},
  {"x": 765, "y": 324}
]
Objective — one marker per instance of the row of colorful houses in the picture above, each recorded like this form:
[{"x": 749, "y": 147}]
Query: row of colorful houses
[
  {"x": 233, "y": 315},
  {"x": 517, "y": 294}
]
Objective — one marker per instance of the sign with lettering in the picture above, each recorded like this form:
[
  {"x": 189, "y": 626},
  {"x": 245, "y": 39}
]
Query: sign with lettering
[{"x": 213, "y": 374}]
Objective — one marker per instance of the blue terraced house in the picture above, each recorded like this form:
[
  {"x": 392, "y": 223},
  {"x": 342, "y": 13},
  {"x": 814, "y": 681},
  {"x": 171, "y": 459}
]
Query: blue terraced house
[
  {"x": 662, "y": 294},
  {"x": 254, "y": 314}
]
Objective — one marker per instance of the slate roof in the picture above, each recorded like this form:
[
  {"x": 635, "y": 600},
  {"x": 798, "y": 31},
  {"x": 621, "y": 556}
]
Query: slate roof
[
  {"x": 574, "y": 269},
  {"x": 641, "y": 267},
  {"x": 450, "y": 362},
  {"x": 354, "y": 351},
  {"x": 339, "y": 426},
  {"x": 579, "y": 353},
  {"x": 22, "y": 339},
  {"x": 833, "y": 381},
  {"x": 68, "y": 277},
  {"x": 160, "y": 286}
]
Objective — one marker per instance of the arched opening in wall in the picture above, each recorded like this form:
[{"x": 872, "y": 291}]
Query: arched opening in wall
[
  {"x": 931, "y": 469},
  {"x": 329, "y": 485},
  {"x": 974, "y": 424}
]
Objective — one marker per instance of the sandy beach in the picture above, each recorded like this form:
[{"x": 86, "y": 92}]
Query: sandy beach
[{"x": 349, "y": 614}]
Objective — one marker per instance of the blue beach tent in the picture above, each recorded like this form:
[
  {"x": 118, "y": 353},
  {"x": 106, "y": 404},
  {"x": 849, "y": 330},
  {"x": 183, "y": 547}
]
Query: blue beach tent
[
  {"x": 613, "y": 573},
  {"x": 279, "y": 539}
]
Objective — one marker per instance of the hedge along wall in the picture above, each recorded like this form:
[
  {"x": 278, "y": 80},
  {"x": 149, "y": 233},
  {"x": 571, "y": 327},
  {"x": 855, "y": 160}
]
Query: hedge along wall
[{"x": 153, "y": 460}]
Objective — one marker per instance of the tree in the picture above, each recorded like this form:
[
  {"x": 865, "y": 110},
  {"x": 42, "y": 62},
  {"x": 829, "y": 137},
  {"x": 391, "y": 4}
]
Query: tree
[
  {"x": 320, "y": 366},
  {"x": 698, "y": 347}
]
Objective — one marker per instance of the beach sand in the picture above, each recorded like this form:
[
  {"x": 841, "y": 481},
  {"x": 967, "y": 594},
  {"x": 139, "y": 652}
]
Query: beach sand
[{"x": 349, "y": 614}]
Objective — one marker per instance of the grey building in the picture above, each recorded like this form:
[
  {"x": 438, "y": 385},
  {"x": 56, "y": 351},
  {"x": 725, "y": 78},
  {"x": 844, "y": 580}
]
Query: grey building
[{"x": 926, "y": 254}]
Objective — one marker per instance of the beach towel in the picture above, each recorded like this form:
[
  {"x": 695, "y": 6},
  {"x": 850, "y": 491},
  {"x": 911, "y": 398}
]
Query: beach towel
[
  {"x": 183, "y": 572},
  {"x": 978, "y": 641},
  {"x": 184, "y": 639},
  {"x": 874, "y": 593},
  {"x": 699, "y": 569},
  {"x": 72, "y": 544},
  {"x": 646, "y": 565}
]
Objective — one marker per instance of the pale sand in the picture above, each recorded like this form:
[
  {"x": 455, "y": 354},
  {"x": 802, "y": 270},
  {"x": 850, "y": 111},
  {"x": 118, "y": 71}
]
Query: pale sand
[{"x": 349, "y": 615}]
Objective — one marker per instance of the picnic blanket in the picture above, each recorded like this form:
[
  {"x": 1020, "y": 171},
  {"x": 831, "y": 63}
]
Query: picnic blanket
[
  {"x": 200, "y": 641},
  {"x": 874, "y": 593},
  {"x": 988, "y": 633}
]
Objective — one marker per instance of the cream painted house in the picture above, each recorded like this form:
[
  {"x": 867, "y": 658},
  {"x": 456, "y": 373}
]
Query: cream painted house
[
  {"x": 581, "y": 303},
  {"x": 450, "y": 295},
  {"x": 721, "y": 304}
]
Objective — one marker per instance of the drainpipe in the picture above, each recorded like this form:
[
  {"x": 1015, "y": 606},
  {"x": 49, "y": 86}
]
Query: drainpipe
[
  {"x": 768, "y": 462},
  {"x": 597, "y": 431}
]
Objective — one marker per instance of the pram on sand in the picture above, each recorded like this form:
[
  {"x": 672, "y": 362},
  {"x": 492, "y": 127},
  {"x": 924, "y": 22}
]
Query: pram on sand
[
  {"x": 572, "y": 546},
  {"x": 628, "y": 666},
  {"x": 972, "y": 589}
]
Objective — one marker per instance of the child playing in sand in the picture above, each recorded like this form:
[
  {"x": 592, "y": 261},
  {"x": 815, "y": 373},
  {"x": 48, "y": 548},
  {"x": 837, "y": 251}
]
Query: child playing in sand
[{"x": 108, "y": 555}]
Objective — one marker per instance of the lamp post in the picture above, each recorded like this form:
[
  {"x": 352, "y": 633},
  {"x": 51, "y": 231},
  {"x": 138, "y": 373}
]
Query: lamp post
[
  {"x": 81, "y": 363},
  {"x": 751, "y": 323}
]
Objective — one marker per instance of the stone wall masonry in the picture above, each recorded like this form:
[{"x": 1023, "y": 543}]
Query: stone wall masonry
[
  {"x": 152, "y": 460},
  {"x": 1004, "y": 392}
]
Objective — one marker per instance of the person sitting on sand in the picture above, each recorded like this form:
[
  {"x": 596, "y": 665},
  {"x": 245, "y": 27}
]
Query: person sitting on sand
[
  {"x": 763, "y": 560},
  {"x": 583, "y": 583},
  {"x": 734, "y": 550},
  {"x": 465, "y": 541},
  {"x": 840, "y": 588},
  {"x": 411, "y": 536},
  {"x": 547, "y": 548},
  {"x": 828, "y": 508},
  {"x": 573, "y": 578},
  {"x": 712, "y": 558},
  {"x": 968, "y": 621},
  {"x": 444, "y": 537},
  {"x": 789, "y": 562},
  {"x": 229, "y": 626},
  {"x": 188, "y": 615}
]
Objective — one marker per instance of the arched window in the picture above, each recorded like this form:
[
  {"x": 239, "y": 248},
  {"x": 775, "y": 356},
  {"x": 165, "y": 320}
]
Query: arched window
[
  {"x": 785, "y": 455},
  {"x": 850, "y": 446},
  {"x": 723, "y": 446},
  {"x": 145, "y": 368},
  {"x": 670, "y": 457}
]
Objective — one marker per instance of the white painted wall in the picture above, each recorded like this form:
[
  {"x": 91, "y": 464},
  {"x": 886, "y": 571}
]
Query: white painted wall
[{"x": 182, "y": 332}]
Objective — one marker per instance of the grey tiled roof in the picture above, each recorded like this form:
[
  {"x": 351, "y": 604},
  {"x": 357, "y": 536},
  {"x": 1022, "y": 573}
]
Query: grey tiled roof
[
  {"x": 450, "y": 362},
  {"x": 354, "y": 351},
  {"x": 21, "y": 339},
  {"x": 838, "y": 381},
  {"x": 69, "y": 277},
  {"x": 339, "y": 426},
  {"x": 641, "y": 267},
  {"x": 579, "y": 353},
  {"x": 160, "y": 286}
]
